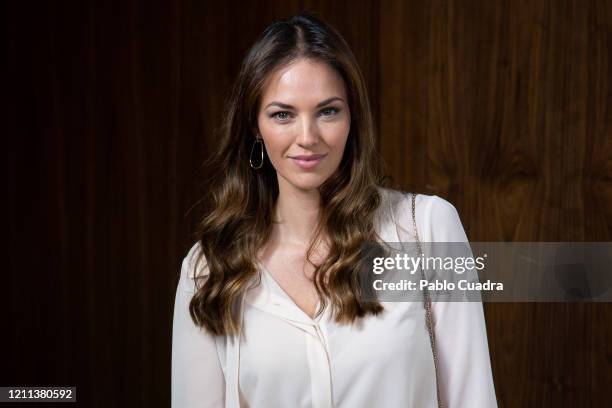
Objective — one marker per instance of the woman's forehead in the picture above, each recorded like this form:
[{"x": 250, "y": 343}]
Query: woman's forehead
[{"x": 303, "y": 82}]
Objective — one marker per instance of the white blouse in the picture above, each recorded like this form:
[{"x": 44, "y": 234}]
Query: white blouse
[{"x": 283, "y": 358}]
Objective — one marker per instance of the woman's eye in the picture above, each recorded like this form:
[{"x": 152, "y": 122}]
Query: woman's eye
[
  {"x": 283, "y": 115},
  {"x": 329, "y": 111}
]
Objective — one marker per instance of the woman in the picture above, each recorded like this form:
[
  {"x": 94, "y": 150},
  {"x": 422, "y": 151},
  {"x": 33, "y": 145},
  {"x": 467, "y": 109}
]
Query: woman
[{"x": 268, "y": 310}]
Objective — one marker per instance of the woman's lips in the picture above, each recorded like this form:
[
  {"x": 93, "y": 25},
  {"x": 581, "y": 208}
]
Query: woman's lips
[{"x": 307, "y": 161}]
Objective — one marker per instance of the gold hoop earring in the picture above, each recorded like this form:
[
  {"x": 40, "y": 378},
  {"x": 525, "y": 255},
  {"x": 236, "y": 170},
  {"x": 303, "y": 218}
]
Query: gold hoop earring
[{"x": 257, "y": 140}]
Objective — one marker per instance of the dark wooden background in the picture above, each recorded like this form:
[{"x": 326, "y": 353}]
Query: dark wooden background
[{"x": 501, "y": 107}]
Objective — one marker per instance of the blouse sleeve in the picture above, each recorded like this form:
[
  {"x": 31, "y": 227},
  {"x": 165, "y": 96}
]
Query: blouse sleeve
[
  {"x": 197, "y": 378},
  {"x": 464, "y": 365}
]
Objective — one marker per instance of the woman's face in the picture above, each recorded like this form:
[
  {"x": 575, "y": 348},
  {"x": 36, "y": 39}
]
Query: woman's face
[{"x": 304, "y": 121}]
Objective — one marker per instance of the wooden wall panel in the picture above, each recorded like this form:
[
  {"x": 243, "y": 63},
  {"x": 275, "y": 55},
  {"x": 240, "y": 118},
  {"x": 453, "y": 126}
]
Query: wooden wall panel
[
  {"x": 503, "y": 108},
  {"x": 113, "y": 108}
]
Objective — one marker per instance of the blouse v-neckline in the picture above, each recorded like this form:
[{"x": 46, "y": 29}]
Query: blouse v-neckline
[{"x": 267, "y": 275}]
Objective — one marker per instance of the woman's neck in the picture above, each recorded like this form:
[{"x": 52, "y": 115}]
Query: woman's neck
[{"x": 297, "y": 213}]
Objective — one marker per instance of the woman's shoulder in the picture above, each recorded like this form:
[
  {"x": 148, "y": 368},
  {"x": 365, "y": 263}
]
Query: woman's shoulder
[
  {"x": 430, "y": 204},
  {"x": 194, "y": 263},
  {"x": 437, "y": 218}
]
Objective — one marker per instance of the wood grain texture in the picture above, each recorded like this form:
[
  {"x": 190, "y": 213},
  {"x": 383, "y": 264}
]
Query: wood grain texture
[{"x": 503, "y": 108}]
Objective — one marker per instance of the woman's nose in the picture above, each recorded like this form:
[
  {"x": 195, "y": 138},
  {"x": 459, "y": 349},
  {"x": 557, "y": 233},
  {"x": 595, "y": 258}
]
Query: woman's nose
[{"x": 308, "y": 134}]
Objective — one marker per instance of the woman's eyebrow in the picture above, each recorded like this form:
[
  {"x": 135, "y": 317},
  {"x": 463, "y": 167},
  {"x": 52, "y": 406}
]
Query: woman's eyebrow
[{"x": 285, "y": 106}]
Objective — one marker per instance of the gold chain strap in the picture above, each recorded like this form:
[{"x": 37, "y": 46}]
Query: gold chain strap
[{"x": 427, "y": 302}]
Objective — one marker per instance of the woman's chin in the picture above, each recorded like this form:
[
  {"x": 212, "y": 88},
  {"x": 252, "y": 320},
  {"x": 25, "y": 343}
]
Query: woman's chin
[{"x": 307, "y": 181}]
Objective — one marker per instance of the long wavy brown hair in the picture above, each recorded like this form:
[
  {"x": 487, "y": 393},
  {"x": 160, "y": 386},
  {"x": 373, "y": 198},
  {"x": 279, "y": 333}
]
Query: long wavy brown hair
[{"x": 239, "y": 202}]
